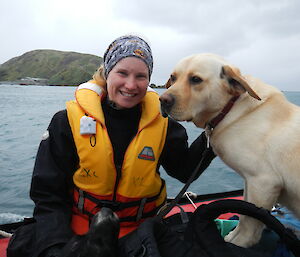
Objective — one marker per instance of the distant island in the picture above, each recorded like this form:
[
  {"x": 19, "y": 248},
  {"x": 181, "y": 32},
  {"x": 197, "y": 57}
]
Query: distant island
[{"x": 51, "y": 68}]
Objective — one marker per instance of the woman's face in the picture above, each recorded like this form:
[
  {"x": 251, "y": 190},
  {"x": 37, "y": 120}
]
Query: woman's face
[{"x": 127, "y": 82}]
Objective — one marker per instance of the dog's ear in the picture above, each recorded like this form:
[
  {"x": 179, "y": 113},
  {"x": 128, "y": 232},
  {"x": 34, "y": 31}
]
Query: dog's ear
[
  {"x": 168, "y": 84},
  {"x": 236, "y": 81}
]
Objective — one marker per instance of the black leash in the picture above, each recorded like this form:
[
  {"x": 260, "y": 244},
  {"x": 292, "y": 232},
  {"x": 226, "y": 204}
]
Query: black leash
[{"x": 175, "y": 201}]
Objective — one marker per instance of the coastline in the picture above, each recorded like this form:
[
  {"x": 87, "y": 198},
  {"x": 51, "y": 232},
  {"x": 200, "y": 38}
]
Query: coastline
[{"x": 33, "y": 83}]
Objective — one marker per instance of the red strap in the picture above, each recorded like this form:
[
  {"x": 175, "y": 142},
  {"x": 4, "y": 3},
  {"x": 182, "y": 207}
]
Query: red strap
[{"x": 216, "y": 120}]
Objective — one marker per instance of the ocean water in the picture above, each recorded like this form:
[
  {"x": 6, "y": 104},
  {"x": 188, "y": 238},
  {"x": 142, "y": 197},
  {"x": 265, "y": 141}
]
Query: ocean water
[{"x": 25, "y": 114}]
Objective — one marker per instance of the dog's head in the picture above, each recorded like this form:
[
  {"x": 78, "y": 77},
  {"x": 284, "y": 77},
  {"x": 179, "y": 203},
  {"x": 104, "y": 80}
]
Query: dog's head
[{"x": 200, "y": 86}]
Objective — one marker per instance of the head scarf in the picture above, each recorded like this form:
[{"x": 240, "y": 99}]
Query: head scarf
[{"x": 127, "y": 46}]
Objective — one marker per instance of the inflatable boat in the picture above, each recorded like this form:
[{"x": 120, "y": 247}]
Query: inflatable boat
[{"x": 280, "y": 238}]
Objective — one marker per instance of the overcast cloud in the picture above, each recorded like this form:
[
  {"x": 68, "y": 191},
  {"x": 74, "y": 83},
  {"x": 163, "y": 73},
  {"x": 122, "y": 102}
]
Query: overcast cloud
[{"x": 261, "y": 37}]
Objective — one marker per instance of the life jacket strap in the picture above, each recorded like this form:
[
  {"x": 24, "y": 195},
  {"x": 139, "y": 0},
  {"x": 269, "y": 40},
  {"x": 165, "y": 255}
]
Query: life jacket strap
[
  {"x": 141, "y": 209},
  {"x": 118, "y": 206},
  {"x": 80, "y": 204},
  {"x": 140, "y": 214}
]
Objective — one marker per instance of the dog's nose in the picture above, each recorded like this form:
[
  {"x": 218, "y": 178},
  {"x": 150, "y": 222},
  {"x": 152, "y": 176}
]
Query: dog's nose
[
  {"x": 166, "y": 103},
  {"x": 167, "y": 100}
]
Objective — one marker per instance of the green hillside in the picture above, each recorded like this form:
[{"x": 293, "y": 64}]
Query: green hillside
[{"x": 58, "y": 67}]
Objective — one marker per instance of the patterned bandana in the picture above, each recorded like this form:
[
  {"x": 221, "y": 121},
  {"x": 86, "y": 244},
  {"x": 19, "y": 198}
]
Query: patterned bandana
[{"x": 127, "y": 46}]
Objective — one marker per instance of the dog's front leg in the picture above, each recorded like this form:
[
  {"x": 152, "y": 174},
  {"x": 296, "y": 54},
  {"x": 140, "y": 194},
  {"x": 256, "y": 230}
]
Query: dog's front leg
[
  {"x": 262, "y": 193},
  {"x": 247, "y": 233}
]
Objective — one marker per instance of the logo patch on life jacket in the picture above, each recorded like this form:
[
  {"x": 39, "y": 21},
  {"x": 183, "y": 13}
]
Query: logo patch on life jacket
[{"x": 147, "y": 154}]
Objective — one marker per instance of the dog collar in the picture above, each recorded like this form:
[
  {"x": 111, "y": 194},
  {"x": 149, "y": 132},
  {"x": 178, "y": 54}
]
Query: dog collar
[{"x": 209, "y": 127}]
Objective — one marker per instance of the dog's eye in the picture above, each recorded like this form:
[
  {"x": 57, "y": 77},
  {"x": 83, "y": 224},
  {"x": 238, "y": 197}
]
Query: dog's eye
[{"x": 195, "y": 80}]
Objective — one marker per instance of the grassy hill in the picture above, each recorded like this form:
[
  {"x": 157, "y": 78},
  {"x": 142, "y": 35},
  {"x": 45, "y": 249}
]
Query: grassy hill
[{"x": 58, "y": 67}]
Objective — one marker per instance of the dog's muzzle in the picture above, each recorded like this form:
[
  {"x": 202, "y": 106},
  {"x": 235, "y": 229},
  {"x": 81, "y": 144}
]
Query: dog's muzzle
[{"x": 166, "y": 103}]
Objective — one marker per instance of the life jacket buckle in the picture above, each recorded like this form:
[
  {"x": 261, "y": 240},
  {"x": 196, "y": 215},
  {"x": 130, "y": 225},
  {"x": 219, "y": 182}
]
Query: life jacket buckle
[{"x": 114, "y": 206}]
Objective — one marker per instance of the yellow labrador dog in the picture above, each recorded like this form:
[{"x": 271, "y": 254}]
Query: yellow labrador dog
[{"x": 250, "y": 125}]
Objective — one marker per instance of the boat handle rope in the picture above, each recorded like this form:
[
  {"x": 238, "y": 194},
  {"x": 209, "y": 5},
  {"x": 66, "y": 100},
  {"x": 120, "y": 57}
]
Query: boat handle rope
[
  {"x": 5, "y": 234},
  {"x": 188, "y": 196}
]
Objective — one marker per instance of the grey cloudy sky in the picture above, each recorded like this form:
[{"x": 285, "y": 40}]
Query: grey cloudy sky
[{"x": 261, "y": 37}]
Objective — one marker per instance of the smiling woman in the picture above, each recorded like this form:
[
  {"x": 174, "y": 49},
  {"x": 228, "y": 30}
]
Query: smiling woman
[
  {"x": 127, "y": 82},
  {"x": 105, "y": 150}
]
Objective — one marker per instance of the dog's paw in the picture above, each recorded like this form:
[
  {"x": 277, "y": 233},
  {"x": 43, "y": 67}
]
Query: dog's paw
[{"x": 242, "y": 238}]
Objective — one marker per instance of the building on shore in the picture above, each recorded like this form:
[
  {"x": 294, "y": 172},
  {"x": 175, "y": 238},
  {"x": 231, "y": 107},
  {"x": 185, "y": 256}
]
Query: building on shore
[{"x": 33, "y": 81}]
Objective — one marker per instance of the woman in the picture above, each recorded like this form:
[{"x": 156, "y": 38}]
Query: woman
[{"x": 105, "y": 149}]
